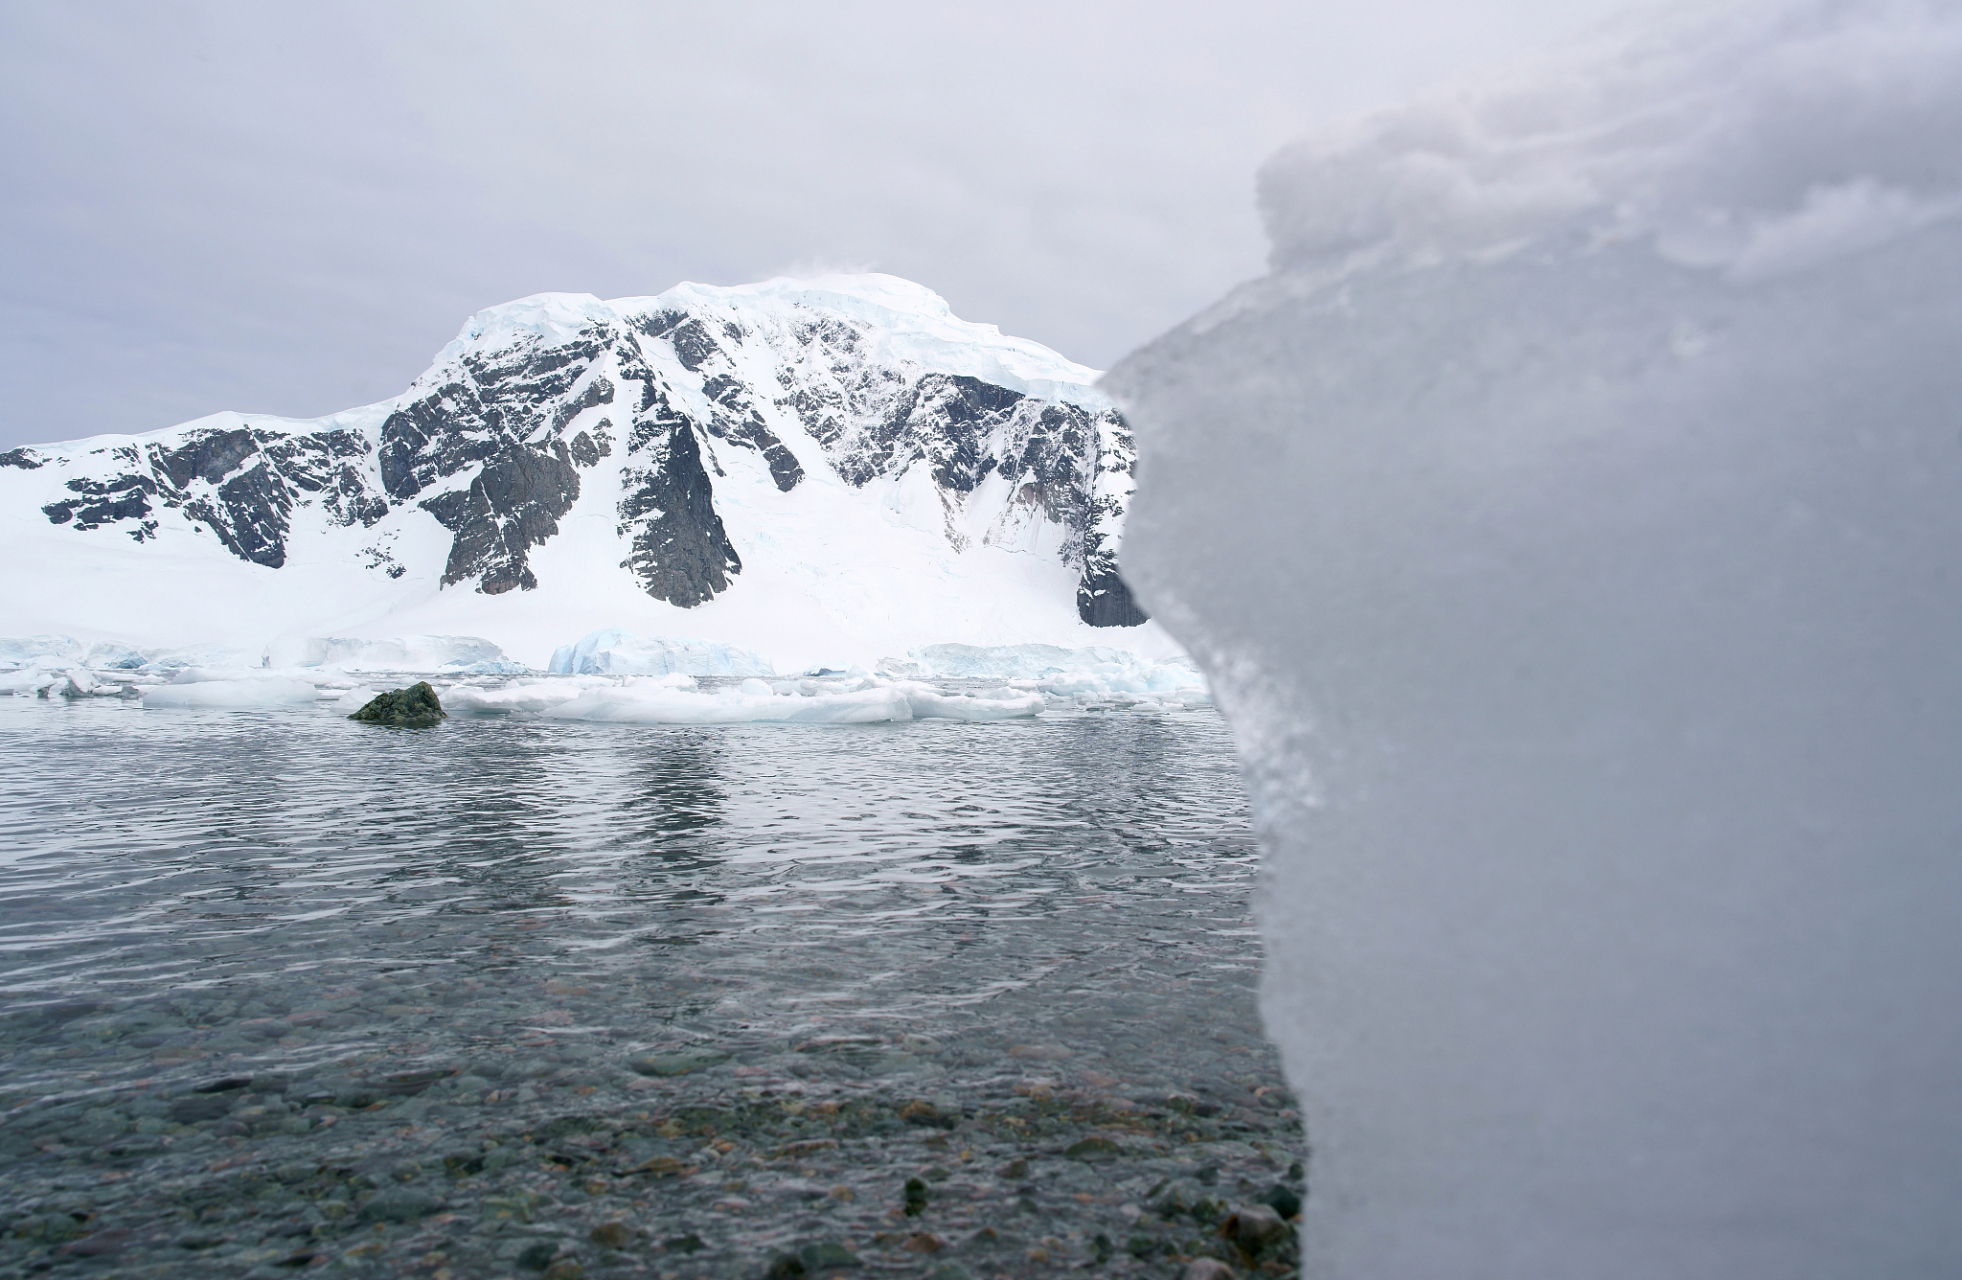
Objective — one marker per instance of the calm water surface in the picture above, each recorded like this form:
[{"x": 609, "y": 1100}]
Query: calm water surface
[
  {"x": 933, "y": 876},
  {"x": 551, "y": 915}
]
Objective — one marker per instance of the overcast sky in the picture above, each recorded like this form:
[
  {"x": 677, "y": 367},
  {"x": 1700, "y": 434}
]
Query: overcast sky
[{"x": 289, "y": 208}]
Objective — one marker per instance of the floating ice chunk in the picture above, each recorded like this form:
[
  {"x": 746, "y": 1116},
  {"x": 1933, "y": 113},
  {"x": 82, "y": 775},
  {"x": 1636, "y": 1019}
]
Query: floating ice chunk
[
  {"x": 354, "y": 699},
  {"x": 1587, "y": 615},
  {"x": 929, "y": 703},
  {"x": 27, "y": 651},
  {"x": 1003, "y": 661},
  {"x": 673, "y": 699},
  {"x": 48, "y": 679},
  {"x": 641, "y": 704},
  {"x": 472, "y": 654},
  {"x": 529, "y": 697},
  {"x": 208, "y": 691},
  {"x": 36, "y": 678},
  {"x": 1096, "y": 671},
  {"x": 617, "y": 652},
  {"x": 502, "y": 667},
  {"x": 113, "y": 655},
  {"x": 158, "y": 661}
]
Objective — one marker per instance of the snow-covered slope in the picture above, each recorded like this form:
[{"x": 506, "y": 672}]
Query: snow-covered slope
[{"x": 826, "y": 470}]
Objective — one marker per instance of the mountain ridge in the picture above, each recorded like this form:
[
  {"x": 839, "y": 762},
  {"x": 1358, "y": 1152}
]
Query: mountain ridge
[{"x": 718, "y": 431}]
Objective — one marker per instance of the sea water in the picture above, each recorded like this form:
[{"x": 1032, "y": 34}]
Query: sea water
[{"x": 283, "y": 990}]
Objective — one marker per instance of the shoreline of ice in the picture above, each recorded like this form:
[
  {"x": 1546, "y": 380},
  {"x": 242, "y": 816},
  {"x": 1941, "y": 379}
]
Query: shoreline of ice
[{"x": 613, "y": 676}]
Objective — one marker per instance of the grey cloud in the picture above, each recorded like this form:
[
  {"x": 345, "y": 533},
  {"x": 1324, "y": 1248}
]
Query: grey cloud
[{"x": 286, "y": 209}]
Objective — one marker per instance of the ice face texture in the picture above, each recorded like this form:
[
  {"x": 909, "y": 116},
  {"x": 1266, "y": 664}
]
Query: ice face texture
[{"x": 1572, "y": 527}]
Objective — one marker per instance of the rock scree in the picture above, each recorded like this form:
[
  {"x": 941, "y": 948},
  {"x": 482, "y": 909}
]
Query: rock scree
[{"x": 415, "y": 707}]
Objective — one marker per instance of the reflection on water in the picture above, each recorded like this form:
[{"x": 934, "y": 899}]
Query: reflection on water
[
  {"x": 248, "y": 882},
  {"x": 506, "y": 997}
]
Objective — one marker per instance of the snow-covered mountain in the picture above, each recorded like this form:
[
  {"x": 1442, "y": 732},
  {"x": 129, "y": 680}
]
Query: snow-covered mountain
[{"x": 817, "y": 469}]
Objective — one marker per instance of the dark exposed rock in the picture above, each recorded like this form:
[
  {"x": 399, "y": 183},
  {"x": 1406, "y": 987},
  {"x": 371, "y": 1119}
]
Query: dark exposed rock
[
  {"x": 415, "y": 707},
  {"x": 598, "y": 392},
  {"x": 434, "y": 437},
  {"x": 487, "y": 444},
  {"x": 249, "y": 513},
  {"x": 681, "y": 553},
  {"x": 123, "y": 497},
  {"x": 1069, "y": 463},
  {"x": 209, "y": 457},
  {"x": 243, "y": 483},
  {"x": 25, "y": 459},
  {"x": 496, "y": 400},
  {"x": 513, "y": 505},
  {"x": 734, "y": 417},
  {"x": 1103, "y": 599}
]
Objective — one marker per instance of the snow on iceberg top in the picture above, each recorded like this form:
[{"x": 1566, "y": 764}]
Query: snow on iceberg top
[
  {"x": 1758, "y": 141},
  {"x": 907, "y": 323}
]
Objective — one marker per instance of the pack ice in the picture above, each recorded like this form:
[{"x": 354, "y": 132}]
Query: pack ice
[{"x": 1571, "y": 524}]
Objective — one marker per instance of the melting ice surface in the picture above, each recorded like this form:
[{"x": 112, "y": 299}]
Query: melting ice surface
[{"x": 1572, "y": 528}]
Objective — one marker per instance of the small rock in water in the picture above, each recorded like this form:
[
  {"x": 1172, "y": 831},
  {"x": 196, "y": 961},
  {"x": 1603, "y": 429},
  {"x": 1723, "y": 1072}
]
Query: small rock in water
[
  {"x": 399, "y": 1206},
  {"x": 1209, "y": 1269},
  {"x": 538, "y": 1255},
  {"x": 811, "y": 1260},
  {"x": 1283, "y": 1200},
  {"x": 677, "y": 1064},
  {"x": 1094, "y": 1149},
  {"x": 415, "y": 707},
  {"x": 613, "y": 1235},
  {"x": 1254, "y": 1227}
]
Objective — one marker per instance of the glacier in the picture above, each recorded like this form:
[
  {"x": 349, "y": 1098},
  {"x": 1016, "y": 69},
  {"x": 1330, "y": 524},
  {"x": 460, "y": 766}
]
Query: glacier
[
  {"x": 1571, "y": 525},
  {"x": 822, "y": 472},
  {"x": 617, "y": 652}
]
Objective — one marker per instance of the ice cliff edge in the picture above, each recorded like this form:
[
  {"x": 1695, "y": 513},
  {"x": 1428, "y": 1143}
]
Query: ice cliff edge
[{"x": 1571, "y": 525}]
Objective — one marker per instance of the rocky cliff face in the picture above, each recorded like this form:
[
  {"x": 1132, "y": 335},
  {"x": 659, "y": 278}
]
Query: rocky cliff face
[{"x": 673, "y": 406}]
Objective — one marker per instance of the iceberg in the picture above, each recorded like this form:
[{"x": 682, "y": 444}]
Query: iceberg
[
  {"x": 531, "y": 696},
  {"x": 1569, "y": 527},
  {"x": 617, "y": 652},
  {"x": 655, "y": 704},
  {"x": 198, "y": 689},
  {"x": 472, "y": 654},
  {"x": 678, "y": 699},
  {"x": 1090, "y": 676},
  {"x": 1008, "y": 661},
  {"x": 55, "y": 680},
  {"x": 27, "y": 651},
  {"x": 929, "y": 703}
]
